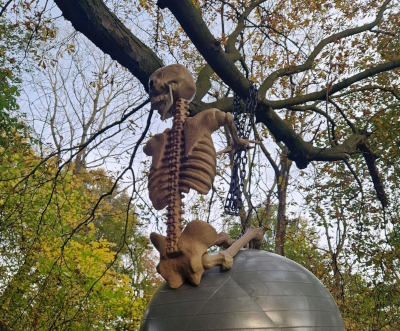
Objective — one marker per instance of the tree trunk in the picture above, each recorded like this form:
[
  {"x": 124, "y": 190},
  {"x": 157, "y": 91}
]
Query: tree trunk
[
  {"x": 80, "y": 163},
  {"x": 338, "y": 279},
  {"x": 282, "y": 181}
]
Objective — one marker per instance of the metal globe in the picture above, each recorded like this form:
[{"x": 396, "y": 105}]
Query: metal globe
[{"x": 263, "y": 291}]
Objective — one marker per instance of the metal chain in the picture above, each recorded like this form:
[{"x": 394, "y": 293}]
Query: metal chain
[{"x": 243, "y": 121}]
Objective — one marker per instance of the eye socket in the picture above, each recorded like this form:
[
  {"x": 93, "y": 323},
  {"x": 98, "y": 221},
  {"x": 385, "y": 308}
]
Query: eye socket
[{"x": 151, "y": 85}]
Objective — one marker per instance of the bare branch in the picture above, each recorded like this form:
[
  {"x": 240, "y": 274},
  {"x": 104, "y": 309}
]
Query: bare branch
[
  {"x": 321, "y": 95},
  {"x": 351, "y": 125},
  {"x": 269, "y": 81},
  {"x": 313, "y": 107},
  {"x": 106, "y": 31},
  {"x": 3, "y": 9},
  {"x": 265, "y": 151},
  {"x": 367, "y": 88}
]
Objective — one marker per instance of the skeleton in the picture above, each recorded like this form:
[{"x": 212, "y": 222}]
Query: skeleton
[{"x": 184, "y": 158}]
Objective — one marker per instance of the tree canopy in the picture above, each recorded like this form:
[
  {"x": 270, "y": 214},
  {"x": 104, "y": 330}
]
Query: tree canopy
[
  {"x": 304, "y": 48},
  {"x": 323, "y": 182}
]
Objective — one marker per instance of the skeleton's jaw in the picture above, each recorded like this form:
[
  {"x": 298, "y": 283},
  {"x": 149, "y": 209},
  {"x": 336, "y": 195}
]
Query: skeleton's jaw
[
  {"x": 161, "y": 109},
  {"x": 163, "y": 104},
  {"x": 165, "y": 112}
]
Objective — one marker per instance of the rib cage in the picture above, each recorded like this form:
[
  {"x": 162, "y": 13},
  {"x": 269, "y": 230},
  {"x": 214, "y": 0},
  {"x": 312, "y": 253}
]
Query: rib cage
[
  {"x": 198, "y": 169},
  {"x": 184, "y": 158},
  {"x": 197, "y": 172}
]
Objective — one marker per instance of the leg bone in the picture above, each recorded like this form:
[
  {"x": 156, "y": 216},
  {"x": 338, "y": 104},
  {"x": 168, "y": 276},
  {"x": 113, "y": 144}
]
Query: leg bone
[
  {"x": 256, "y": 234},
  {"x": 225, "y": 258},
  {"x": 224, "y": 240},
  {"x": 221, "y": 258}
]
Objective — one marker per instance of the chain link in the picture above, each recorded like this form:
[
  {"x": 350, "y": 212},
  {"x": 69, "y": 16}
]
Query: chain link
[{"x": 243, "y": 121}]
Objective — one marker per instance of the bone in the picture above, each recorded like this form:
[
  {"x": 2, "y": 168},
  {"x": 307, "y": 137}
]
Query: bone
[
  {"x": 224, "y": 240},
  {"x": 225, "y": 258},
  {"x": 221, "y": 258},
  {"x": 168, "y": 104},
  {"x": 230, "y": 148},
  {"x": 225, "y": 150},
  {"x": 252, "y": 234},
  {"x": 184, "y": 158},
  {"x": 176, "y": 138},
  {"x": 168, "y": 84}
]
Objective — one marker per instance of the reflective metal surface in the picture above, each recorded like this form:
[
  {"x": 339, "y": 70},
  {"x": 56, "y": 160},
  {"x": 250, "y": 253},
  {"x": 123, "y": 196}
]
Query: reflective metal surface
[{"x": 263, "y": 291}]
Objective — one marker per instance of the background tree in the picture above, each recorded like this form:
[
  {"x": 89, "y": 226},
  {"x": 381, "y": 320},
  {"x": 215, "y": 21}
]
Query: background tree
[
  {"x": 328, "y": 102},
  {"x": 67, "y": 260},
  {"x": 79, "y": 92},
  {"x": 301, "y": 62},
  {"x": 50, "y": 283}
]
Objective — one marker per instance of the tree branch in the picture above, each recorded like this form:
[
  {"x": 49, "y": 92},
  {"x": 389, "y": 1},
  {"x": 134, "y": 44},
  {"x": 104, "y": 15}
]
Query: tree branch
[
  {"x": 370, "y": 158},
  {"x": 203, "y": 83},
  {"x": 315, "y": 109},
  {"x": 303, "y": 152},
  {"x": 269, "y": 81},
  {"x": 321, "y": 95},
  {"x": 95, "y": 20},
  {"x": 367, "y": 88},
  {"x": 3, "y": 9},
  {"x": 192, "y": 23},
  {"x": 105, "y": 30},
  {"x": 351, "y": 125},
  {"x": 265, "y": 151}
]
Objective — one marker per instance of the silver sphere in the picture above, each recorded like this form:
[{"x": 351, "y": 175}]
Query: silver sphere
[{"x": 262, "y": 291}]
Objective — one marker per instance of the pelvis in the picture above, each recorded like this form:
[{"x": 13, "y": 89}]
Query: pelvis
[{"x": 187, "y": 263}]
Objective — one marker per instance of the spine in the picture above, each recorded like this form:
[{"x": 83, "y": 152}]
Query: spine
[{"x": 176, "y": 151}]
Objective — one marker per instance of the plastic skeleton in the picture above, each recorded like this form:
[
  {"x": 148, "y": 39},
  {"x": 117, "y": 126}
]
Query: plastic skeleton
[{"x": 184, "y": 158}]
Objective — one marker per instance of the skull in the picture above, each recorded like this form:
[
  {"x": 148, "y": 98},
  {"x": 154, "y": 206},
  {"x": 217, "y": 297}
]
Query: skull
[{"x": 168, "y": 84}]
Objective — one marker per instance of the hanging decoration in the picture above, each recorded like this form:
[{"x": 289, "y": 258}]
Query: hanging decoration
[{"x": 243, "y": 121}]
